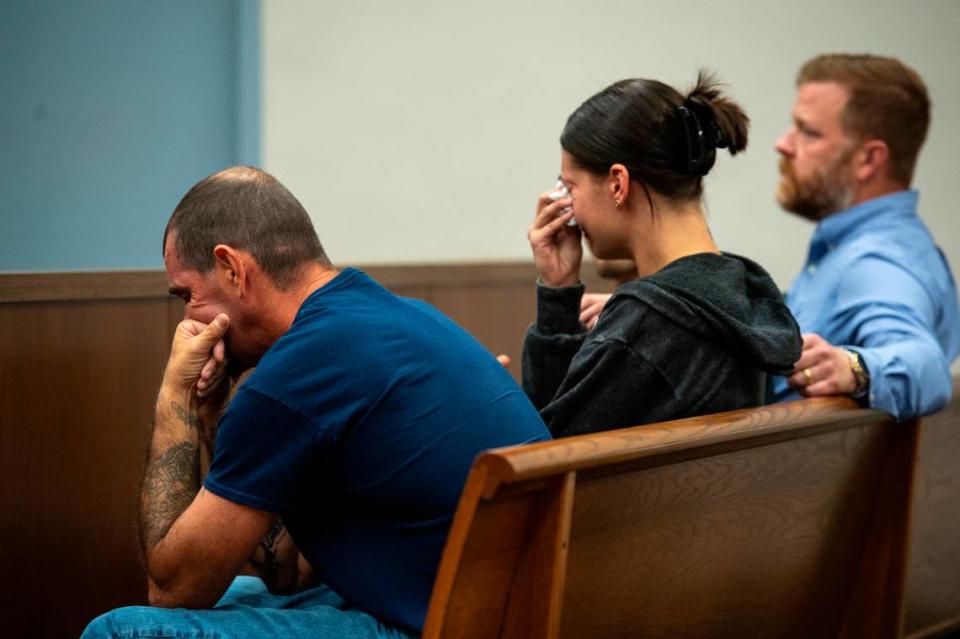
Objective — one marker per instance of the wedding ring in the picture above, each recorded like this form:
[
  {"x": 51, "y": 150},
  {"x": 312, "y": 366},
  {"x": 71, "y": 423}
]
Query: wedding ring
[{"x": 808, "y": 375}]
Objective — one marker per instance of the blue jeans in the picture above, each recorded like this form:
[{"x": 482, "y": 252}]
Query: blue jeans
[{"x": 247, "y": 610}]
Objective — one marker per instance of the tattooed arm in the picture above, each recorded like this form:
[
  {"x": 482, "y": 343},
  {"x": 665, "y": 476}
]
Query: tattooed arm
[
  {"x": 278, "y": 562},
  {"x": 172, "y": 476},
  {"x": 193, "y": 541}
]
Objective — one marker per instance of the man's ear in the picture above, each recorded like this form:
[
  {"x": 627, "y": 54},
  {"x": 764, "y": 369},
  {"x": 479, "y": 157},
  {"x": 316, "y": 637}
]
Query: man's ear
[
  {"x": 871, "y": 160},
  {"x": 231, "y": 267},
  {"x": 618, "y": 180}
]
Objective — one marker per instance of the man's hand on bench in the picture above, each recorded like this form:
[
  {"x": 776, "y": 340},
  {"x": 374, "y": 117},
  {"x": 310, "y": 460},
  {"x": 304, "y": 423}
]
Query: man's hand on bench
[{"x": 823, "y": 369}]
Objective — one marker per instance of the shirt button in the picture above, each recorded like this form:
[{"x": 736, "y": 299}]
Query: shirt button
[{"x": 812, "y": 269}]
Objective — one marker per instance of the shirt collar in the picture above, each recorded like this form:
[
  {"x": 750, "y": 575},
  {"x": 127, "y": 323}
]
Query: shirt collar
[{"x": 838, "y": 227}]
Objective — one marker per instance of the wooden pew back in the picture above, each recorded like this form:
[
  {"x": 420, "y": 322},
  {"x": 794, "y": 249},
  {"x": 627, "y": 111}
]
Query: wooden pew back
[
  {"x": 933, "y": 584},
  {"x": 787, "y": 520}
]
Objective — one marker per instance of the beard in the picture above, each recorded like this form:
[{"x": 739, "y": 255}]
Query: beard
[{"x": 826, "y": 191}]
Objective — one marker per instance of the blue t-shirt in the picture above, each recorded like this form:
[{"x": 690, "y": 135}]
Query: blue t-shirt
[{"x": 359, "y": 427}]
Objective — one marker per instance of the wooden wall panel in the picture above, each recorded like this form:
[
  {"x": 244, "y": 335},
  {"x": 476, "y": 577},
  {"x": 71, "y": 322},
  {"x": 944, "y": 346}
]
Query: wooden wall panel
[
  {"x": 73, "y": 287},
  {"x": 496, "y": 315},
  {"x": 77, "y": 382}
]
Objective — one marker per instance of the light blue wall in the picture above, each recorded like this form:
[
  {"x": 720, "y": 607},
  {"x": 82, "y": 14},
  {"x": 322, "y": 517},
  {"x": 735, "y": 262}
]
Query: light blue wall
[{"x": 109, "y": 111}]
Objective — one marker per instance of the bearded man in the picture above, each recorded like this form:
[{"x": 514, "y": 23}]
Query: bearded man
[{"x": 875, "y": 300}]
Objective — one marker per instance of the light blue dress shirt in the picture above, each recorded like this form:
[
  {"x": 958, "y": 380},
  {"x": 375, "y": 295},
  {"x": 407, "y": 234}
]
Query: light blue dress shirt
[{"x": 876, "y": 283}]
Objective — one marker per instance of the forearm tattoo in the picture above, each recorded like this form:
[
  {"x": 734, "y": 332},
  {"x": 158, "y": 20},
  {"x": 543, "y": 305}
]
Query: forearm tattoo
[
  {"x": 207, "y": 432},
  {"x": 170, "y": 482},
  {"x": 169, "y": 485},
  {"x": 190, "y": 419},
  {"x": 280, "y": 576}
]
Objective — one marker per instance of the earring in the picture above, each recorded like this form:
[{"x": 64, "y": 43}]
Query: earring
[{"x": 619, "y": 203}]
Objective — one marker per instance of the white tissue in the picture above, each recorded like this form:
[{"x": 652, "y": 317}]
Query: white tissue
[{"x": 558, "y": 193}]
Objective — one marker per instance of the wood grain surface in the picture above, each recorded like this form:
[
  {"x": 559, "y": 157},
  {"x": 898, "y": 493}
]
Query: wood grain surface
[
  {"x": 741, "y": 428},
  {"x": 933, "y": 585},
  {"x": 77, "y": 385},
  {"x": 788, "y": 521},
  {"x": 784, "y": 524}
]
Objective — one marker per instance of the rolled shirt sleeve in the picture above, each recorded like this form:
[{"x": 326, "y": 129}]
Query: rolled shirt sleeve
[{"x": 889, "y": 318}]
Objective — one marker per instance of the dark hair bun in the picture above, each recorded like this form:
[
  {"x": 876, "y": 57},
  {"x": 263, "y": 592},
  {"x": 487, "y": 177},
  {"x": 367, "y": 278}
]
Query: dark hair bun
[{"x": 729, "y": 122}]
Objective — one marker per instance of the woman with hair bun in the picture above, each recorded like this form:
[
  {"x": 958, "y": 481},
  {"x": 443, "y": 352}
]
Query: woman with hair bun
[{"x": 699, "y": 330}]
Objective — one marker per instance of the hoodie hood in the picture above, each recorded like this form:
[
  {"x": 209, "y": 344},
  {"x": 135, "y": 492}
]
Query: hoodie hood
[{"x": 725, "y": 298}]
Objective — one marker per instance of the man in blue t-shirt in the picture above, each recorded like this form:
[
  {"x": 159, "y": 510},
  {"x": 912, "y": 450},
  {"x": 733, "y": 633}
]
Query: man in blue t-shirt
[{"x": 335, "y": 470}]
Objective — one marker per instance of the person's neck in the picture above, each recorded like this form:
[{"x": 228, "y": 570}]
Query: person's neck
[
  {"x": 284, "y": 304},
  {"x": 670, "y": 233},
  {"x": 866, "y": 191}
]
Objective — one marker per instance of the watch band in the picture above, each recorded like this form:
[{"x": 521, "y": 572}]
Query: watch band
[{"x": 860, "y": 373}]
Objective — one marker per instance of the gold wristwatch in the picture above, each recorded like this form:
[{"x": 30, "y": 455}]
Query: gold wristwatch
[{"x": 859, "y": 373}]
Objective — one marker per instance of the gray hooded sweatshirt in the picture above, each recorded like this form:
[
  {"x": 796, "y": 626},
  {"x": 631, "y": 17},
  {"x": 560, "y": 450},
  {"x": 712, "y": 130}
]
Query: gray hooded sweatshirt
[{"x": 697, "y": 337}]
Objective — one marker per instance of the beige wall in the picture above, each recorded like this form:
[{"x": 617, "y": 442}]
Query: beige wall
[{"x": 424, "y": 130}]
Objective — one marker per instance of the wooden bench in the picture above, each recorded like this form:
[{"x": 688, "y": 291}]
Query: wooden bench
[
  {"x": 783, "y": 521},
  {"x": 933, "y": 583}
]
